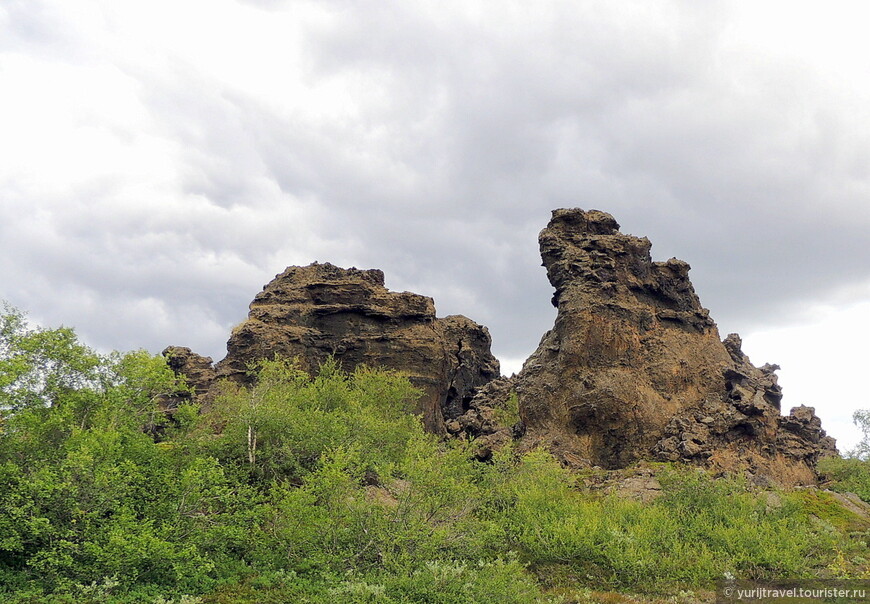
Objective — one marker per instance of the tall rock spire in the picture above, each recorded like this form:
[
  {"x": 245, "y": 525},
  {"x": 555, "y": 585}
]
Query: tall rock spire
[{"x": 634, "y": 368}]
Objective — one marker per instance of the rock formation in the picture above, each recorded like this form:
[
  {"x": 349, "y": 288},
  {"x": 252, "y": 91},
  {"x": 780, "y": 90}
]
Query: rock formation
[
  {"x": 634, "y": 369},
  {"x": 198, "y": 370},
  {"x": 317, "y": 311}
]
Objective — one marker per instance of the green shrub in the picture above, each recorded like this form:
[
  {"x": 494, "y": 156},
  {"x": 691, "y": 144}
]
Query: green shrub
[
  {"x": 281, "y": 427},
  {"x": 327, "y": 489},
  {"x": 450, "y": 582},
  {"x": 849, "y": 475},
  {"x": 696, "y": 532}
]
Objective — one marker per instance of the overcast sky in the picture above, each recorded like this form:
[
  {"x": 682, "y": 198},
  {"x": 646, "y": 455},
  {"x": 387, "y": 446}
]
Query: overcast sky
[{"x": 160, "y": 161}]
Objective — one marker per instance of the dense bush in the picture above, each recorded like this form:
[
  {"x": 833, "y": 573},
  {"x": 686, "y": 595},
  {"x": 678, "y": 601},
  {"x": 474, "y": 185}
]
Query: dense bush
[
  {"x": 850, "y": 475},
  {"x": 327, "y": 489},
  {"x": 699, "y": 530}
]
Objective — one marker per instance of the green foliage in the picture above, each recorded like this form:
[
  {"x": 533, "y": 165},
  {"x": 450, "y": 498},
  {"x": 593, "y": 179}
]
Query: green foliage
[
  {"x": 443, "y": 582},
  {"x": 824, "y": 506},
  {"x": 446, "y": 582},
  {"x": 85, "y": 486},
  {"x": 862, "y": 449},
  {"x": 509, "y": 414},
  {"x": 327, "y": 489},
  {"x": 697, "y": 531},
  {"x": 850, "y": 475},
  {"x": 38, "y": 366},
  {"x": 280, "y": 428}
]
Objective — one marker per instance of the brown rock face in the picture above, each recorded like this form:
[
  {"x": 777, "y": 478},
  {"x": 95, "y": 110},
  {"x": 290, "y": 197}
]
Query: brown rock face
[
  {"x": 744, "y": 427},
  {"x": 198, "y": 370},
  {"x": 317, "y": 311},
  {"x": 634, "y": 368},
  {"x": 631, "y": 347}
]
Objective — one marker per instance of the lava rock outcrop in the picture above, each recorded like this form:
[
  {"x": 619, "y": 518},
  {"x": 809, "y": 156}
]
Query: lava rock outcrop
[
  {"x": 198, "y": 371},
  {"x": 314, "y": 312},
  {"x": 634, "y": 369}
]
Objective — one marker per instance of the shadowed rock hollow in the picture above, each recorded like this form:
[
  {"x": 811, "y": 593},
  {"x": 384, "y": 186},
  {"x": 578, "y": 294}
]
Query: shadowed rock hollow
[{"x": 633, "y": 368}]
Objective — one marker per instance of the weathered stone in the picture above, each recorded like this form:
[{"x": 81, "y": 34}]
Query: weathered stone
[
  {"x": 631, "y": 346},
  {"x": 198, "y": 372},
  {"x": 634, "y": 369},
  {"x": 800, "y": 436},
  {"x": 470, "y": 364},
  {"x": 315, "y": 312},
  {"x": 854, "y": 504},
  {"x": 643, "y": 488}
]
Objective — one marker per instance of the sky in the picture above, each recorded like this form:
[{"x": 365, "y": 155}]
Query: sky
[{"x": 160, "y": 161}]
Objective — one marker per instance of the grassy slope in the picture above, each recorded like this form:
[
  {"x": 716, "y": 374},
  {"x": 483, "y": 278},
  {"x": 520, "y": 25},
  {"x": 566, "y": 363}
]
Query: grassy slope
[{"x": 327, "y": 490}]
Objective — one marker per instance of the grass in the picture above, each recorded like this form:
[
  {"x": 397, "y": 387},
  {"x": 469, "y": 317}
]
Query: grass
[{"x": 327, "y": 490}]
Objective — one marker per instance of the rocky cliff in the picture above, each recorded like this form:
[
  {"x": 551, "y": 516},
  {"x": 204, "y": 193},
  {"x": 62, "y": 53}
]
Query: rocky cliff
[
  {"x": 634, "y": 367},
  {"x": 313, "y": 312}
]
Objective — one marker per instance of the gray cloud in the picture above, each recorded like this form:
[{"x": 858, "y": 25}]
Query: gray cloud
[{"x": 458, "y": 127}]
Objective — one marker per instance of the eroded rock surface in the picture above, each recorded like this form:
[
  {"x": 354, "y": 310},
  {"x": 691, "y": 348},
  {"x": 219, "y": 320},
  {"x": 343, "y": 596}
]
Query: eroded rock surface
[
  {"x": 634, "y": 368},
  {"x": 198, "y": 372},
  {"x": 317, "y": 311}
]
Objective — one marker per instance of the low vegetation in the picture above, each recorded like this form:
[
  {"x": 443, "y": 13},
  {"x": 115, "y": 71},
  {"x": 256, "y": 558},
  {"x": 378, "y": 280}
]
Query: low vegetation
[{"x": 327, "y": 489}]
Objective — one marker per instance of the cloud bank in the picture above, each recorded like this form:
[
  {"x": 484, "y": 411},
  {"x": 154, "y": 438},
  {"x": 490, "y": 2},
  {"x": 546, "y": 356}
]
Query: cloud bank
[{"x": 160, "y": 162}]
